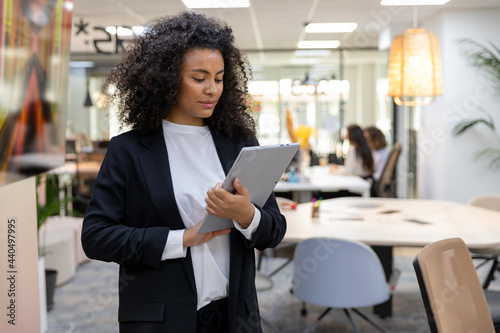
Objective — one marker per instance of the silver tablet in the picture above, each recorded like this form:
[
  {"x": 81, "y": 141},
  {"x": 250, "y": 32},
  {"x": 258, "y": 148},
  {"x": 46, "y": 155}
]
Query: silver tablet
[{"x": 259, "y": 168}]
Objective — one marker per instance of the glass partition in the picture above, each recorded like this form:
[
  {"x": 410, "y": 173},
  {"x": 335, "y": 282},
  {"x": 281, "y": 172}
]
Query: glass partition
[{"x": 322, "y": 91}]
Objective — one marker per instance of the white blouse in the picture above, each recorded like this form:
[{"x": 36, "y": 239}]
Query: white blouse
[{"x": 353, "y": 165}]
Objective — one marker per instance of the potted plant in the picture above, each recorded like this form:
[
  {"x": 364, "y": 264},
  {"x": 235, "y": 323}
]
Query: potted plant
[
  {"x": 49, "y": 203},
  {"x": 45, "y": 207},
  {"x": 488, "y": 60}
]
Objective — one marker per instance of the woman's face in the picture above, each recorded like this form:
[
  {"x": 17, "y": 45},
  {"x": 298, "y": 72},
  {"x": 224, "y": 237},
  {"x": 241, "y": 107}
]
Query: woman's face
[{"x": 201, "y": 87}]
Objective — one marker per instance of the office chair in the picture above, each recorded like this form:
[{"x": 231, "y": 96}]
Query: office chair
[
  {"x": 339, "y": 273},
  {"x": 384, "y": 187},
  {"x": 453, "y": 298},
  {"x": 488, "y": 201}
]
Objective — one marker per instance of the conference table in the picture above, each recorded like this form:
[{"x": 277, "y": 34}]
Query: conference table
[
  {"x": 319, "y": 179},
  {"x": 384, "y": 223}
]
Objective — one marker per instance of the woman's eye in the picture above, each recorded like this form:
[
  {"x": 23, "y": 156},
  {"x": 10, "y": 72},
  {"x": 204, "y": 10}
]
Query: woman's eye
[{"x": 203, "y": 80}]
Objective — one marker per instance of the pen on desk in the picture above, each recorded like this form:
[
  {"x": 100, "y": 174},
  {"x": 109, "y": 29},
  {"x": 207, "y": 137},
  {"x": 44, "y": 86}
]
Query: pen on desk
[{"x": 315, "y": 207}]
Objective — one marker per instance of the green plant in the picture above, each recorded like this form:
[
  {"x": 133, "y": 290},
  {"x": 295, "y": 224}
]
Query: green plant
[
  {"x": 488, "y": 60},
  {"x": 52, "y": 205}
]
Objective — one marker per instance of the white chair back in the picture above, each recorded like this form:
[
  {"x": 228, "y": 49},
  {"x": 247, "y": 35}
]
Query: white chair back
[{"x": 338, "y": 273}]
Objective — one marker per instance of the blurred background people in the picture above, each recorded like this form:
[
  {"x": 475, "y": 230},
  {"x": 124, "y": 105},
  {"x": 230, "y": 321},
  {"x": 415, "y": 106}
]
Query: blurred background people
[
  {"x": 359, "y": 160},
  {"x": 377, "y": 144}
]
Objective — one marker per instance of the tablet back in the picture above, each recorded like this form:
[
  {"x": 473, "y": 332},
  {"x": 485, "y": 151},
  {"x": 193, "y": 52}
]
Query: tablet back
[{"x": 259, "y": 169}]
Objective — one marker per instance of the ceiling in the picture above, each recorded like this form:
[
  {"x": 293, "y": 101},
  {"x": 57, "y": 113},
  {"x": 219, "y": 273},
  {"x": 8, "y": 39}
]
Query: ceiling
[
  {"x": 272, "y": 26},
  {"x": 276, "y": 24}
]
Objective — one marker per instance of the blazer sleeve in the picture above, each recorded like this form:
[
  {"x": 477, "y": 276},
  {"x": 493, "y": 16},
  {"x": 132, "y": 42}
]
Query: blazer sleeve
[
  {"x": 272, "y": 226},
  {"x": 107, "y": 234}
]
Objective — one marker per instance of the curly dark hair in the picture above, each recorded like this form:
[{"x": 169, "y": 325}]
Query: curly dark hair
[
  {"x": 357, "y": 139},
  {"x": 148, "y": 78}
]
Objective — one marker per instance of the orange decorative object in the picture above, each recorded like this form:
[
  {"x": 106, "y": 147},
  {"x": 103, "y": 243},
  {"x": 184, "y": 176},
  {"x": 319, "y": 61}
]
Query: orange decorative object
[{"x": 301, "y": 134}]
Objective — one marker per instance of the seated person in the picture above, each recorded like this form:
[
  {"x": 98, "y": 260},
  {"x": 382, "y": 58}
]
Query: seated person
[
  {"x": 359, "y": 161},
  {"x": 377, "y": 143}
]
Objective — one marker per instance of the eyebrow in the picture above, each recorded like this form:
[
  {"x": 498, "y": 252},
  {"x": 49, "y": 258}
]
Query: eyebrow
[{"x": 200, "y": 70}]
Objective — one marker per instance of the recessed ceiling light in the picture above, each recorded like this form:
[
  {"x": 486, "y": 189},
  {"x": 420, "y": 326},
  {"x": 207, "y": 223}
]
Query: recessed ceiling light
[
  {"x": 330, "y": 27},
  {"x": 122, "y": 31},
  {"x": 305, "y": 61},
  {"x": 313, "y": 53},
  {"x": 138, "y": 29},
  {"x": 126, "y": 32},
  {"x": 413, "y": 2},
  {"x": 318, "y": 44},
  {"x": 217, "y": 3},
  {"x": 111, "y": 30}
]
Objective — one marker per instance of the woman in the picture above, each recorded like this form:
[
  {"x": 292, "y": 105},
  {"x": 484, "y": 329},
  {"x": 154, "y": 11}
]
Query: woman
[
  {"x": 359, "y": 160},
  {"x": 377, "y": 143},
  {"x": 181, "y": 88}
]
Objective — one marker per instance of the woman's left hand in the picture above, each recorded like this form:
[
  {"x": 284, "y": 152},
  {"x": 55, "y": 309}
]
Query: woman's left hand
[{"x": 236, "y": 206}]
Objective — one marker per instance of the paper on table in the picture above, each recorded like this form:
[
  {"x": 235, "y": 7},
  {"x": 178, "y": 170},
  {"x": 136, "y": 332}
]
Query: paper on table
[
  {"x": 346, "y": 218},
  {"x": 366, "y": 205}
]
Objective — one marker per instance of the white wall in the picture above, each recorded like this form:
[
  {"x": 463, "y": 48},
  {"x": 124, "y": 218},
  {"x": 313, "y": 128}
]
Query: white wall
[
  {"x": 78, "y": 116},
  {"x": 362, "y": 107},
  {"x": 445, "y": 168},
  {"x": 18, "y": 236}
]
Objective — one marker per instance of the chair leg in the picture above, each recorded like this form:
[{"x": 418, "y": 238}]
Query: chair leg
[
  {"x": 280, "y": 267},
  {"x": 353, "y": 324},
  {"x": 370, "y": 321},
  {"x": 303, "y": 311},
  {"x": 491, "y": 274},
  {"x": 481, "y": 264},
  {"x": 316, "y": 322}
]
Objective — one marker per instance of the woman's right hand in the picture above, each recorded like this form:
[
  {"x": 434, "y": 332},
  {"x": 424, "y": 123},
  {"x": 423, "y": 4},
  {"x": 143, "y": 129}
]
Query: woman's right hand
[{"x": 191, "y": 236}]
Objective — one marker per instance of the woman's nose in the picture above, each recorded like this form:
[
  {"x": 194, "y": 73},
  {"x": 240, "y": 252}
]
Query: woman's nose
[{"x": 211, "y": 88}]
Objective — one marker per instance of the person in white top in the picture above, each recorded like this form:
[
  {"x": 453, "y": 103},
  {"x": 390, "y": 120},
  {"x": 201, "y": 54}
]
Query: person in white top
[
  {"x": 181, "y": 87},
  {"x": 359, "y": 161},
  {"x": 377, "y": 143}
]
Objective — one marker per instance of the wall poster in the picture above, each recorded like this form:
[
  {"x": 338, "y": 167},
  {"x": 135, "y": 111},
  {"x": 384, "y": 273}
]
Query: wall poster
[{"x": 35, "y": 39}]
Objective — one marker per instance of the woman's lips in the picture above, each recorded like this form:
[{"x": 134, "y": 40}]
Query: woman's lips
[{"x": 208, "y": 104}]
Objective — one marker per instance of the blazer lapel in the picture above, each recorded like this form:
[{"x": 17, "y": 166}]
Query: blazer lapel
[
  {"x": 226, "y": 149},
  {"x": 156, "y": 172}
]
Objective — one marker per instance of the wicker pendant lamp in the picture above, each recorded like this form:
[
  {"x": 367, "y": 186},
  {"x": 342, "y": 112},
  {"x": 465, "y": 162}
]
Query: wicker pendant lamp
[{"x": 415, "y": 75}]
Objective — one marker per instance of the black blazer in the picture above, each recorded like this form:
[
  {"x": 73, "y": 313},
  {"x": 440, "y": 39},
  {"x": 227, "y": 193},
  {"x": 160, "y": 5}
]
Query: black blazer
[{"x": 128, "y": 221}]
